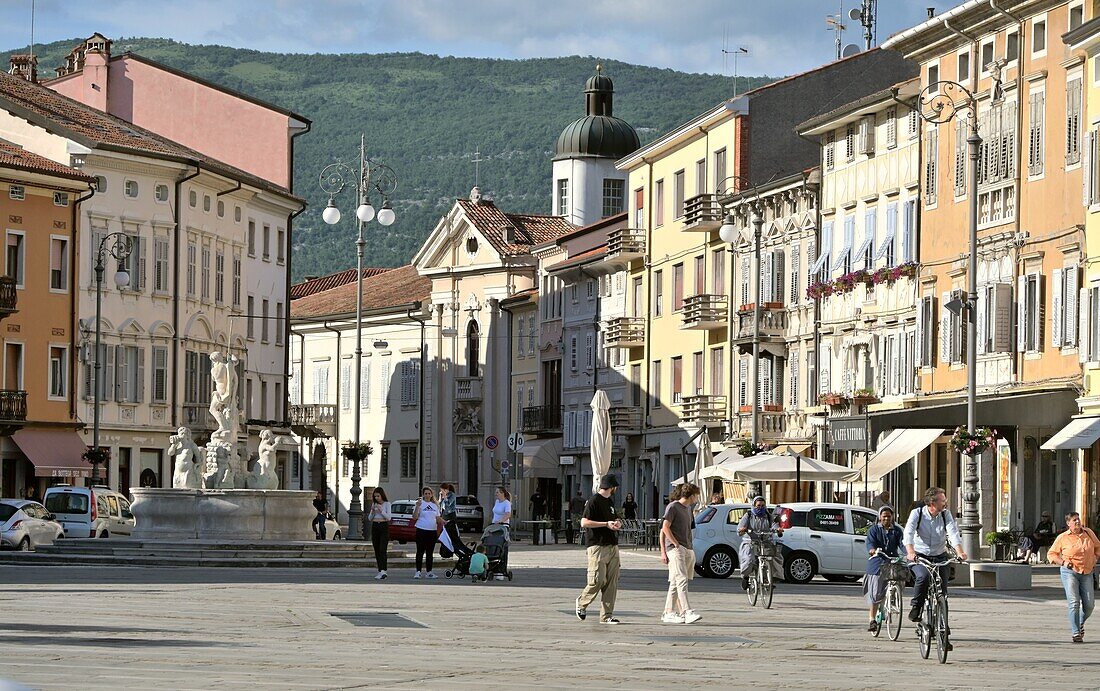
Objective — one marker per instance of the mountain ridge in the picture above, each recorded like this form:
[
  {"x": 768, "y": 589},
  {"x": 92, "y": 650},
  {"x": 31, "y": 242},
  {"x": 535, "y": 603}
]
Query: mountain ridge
[{"x": 424, "y": 115}]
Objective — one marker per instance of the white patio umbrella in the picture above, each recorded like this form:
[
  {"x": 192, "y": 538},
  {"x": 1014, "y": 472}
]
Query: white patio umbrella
[
  {"x": 790, "y": 466},
  {"x": 600, "y": 448}
]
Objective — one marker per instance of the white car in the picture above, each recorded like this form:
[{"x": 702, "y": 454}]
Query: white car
[
  {"x": 333, "y": 531},
  {"x": 716, "y": 539},
  {"x": 89, "y": 511},
  {"x": 825, "y": 539},
  {"x": 24, "y": 525}
]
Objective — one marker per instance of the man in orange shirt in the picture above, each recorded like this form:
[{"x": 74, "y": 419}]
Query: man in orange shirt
[{"x": 1076, "y": 550}]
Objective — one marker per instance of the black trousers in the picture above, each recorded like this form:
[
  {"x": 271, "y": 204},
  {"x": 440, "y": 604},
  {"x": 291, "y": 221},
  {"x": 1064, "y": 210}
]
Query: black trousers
[
  {"x": 425, "y": 547},
  {"x": 380, "y": 538},
  {"x": 319, "y": 525},
  {"x": 924, "y": 579}
]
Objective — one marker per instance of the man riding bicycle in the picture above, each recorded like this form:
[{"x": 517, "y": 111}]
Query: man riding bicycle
[
  {"x": 883, "y": 541},
  {"x": 757, "y": 520},
  {"x": 926, "y": 534}
]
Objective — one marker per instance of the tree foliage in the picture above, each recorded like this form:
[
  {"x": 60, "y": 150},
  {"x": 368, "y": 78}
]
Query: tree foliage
[{"x": 424, "y": 115}]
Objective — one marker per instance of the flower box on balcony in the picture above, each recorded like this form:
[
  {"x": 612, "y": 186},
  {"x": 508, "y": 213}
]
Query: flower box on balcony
[
  {"x": 834, "y": 399},
  {"x": 748, "y": 307},
  {"x": 744, "y": 409},
  {"x": 772, "y": 408},
  {"x": 864, "y": 400}
]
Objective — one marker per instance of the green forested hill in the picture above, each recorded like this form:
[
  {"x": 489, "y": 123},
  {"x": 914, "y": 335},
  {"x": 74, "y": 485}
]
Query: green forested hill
[{"x": 424, "y": 115}]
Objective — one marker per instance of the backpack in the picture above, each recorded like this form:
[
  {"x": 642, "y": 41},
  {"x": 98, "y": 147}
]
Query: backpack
[{"x": 920, "y": 517}]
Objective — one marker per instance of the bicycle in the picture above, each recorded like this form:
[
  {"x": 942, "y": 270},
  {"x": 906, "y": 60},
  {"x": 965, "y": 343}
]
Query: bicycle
[
  {"x": 895, "y": 572},
  {"x": 934, "y": 620},
  {"x": 761, "y": 587}
]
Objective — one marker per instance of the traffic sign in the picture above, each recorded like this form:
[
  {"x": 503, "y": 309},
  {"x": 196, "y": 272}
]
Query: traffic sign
[
  {"x": 491, "y": 442},
  {"x": 515, "y": 441},
  {"x": 504, "y": 466}
]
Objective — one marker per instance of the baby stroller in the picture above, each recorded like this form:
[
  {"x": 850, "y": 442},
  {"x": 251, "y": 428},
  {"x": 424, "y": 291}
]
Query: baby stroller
[{"x": 495, "y": 541}]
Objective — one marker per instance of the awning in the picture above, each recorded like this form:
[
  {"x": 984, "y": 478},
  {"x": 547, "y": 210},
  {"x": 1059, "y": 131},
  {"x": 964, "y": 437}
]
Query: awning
[
  {"x": 54, "y": 452},
  {"x": 1080, "y": 433},
  {"x": 540, "y": 458},
  {"x": 898, "y": 447}
]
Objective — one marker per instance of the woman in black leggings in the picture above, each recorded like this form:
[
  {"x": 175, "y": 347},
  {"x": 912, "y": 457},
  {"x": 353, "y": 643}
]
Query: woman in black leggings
[
  {"x": 379, "y": 519},
  {"x": 427, "y": 520}
]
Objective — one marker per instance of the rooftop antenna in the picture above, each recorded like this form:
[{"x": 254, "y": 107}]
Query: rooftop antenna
[
  {"x": 835, "y": 24},
  {"x": 736, "y": 53},
  {"x": 867, "y": 15}
]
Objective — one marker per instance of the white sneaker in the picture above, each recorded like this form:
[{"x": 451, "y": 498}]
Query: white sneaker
[
  {"x": 431, "y": 574},
  {"x": 416, "y": 576},
  {"x": 690, "y": 617},
  {"x": 672, "y": 618},
  {"x": 385, "y": 575},
  {"x": 380, "y": 576}
]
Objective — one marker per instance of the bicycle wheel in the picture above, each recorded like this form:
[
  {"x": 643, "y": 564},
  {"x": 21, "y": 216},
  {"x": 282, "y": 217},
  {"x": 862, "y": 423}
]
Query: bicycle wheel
[
  {"x": 893, "y": 611},
  {"x": 881, "y": 620},
  {"x": 766, "y": 584},
  {"x": 926, "y": 627},
  {"x": 754, "y": 590},
  {"x": 941, "y": 629}
]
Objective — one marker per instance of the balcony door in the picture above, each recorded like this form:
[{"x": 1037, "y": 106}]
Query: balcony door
[
  {"x": 471, "y": 470},
  {"x": 473, "y": 350},
  {"x": 551, "y": 384},
  {"x": 13, "y": 366}
]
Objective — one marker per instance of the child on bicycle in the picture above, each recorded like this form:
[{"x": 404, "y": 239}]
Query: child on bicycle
[{"x": 885, "y": 536}]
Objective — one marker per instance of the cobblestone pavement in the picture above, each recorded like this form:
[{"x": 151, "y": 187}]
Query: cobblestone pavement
[{"x": 85, "y": 627}]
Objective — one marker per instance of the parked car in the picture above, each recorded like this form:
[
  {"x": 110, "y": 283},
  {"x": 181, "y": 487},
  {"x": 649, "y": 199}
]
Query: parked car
[
  {"x": 333, "y": 531},
  {"x": 716, "y": 539},
  {"x": 401, "y": 526},
  {"x": 89, "y": 511},
  {"x": 25, "y": 525},
  {"x": 825, "y": 539},
  {"x": 471, "y": 516}
]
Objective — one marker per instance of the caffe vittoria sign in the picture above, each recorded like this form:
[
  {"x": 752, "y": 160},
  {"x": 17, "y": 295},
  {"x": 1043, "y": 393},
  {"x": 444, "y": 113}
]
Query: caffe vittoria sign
[{"x": 848, "y": 433}]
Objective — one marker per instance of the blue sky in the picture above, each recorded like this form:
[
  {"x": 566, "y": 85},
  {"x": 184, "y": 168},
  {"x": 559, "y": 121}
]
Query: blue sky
[{"x": 782, "y": 36}]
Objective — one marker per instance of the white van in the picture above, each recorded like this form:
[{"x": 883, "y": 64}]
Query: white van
[{"x": 89, "y": 511}]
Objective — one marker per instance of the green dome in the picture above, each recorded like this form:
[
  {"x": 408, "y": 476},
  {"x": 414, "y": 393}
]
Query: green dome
[{"x": 598, "y": 134}]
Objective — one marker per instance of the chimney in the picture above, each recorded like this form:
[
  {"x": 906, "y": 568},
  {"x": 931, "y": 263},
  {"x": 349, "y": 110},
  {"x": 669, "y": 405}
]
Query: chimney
[
  {"x": 931, "y": 12},
  {"x": 24, "y": 66},
  {"x": 97, "y": 53}
]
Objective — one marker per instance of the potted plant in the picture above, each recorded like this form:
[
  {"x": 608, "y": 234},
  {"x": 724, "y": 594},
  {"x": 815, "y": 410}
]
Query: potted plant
[
  {"x": 97, "y": 454},
  {"x": 864, "y": 396},
  {"x": 831, "y": 398},
  {"x": 819, "y": 289},
  {"x": 748, "y": 449},
  {"x": 356, "y": 452},
  {"x": 973, "y": 443},
  {"x": 999, "y": 541}
]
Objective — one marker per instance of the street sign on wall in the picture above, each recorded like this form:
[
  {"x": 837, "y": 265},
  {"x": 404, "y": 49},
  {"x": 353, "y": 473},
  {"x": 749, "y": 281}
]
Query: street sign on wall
[
  {"x": 847, "y": 433},
  {"x": 491, "y": 442}
]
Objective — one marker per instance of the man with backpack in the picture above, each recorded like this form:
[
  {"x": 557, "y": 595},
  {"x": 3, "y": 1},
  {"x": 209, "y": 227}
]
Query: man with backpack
[{"x": 926, "y": 534}]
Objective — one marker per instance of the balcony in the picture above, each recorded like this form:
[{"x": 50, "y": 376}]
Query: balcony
[
  {"x": 542, "y": 420},
  {"x": 626, "y": 244},
  {"x": 9, "y": 297},
  {"x": 625, "y": 332},
  {"x": 626, "y": 419},
  {"x": 705, "y": 312},
  {"x": 13, "y": 410},
  {"x": 313, "y": 419},
  {"x": 773, "y": 325},
  {"x": 703, "y": 213},
  {"x": 703, "y": 410},
  {"x": 467, "y": 388},
  {"x": 773, "y": 424}
]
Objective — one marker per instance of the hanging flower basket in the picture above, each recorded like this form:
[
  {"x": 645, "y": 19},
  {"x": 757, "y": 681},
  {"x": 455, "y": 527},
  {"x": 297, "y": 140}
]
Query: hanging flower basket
[
  {"x": 356, "y": 452},
  {"x": 748, "y": 449},
  {"x": 864, "y": 397},
  {"x": 973, "y": 443},
  {"x": 97, "y": 454},
  {"x": 834, "y": 399},
  {"x": 848, "y": 282},
  {"x": 819, "y": 289}
]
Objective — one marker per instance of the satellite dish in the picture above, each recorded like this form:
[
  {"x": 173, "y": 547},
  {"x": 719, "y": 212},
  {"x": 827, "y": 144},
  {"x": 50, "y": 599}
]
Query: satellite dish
[
  {"x": 855, "y": 14},
  {"x": 849, "y": 50}
]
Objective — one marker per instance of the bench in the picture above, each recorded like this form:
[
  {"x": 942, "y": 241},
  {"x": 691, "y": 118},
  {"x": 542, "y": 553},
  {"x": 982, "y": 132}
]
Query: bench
[{"x": 1000, "y": 576}]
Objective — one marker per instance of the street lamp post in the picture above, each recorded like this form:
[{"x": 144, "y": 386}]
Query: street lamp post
[
  {"x": 119, "y": 246},
  {"x": 938, "y": 103},
  {"x": 373, "y": 179},
  {"x": 729, "y": 234}
]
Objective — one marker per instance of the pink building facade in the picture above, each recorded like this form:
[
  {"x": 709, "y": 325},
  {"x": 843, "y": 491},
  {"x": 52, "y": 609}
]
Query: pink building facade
[{"x": 227, "y": 125}]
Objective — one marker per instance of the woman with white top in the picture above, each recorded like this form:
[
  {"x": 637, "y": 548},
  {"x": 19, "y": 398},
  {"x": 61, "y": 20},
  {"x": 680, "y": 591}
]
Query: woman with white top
[
  {"x": 427, "y": 519},
  {"x": 502, "y": 515},
  {"x": 379, "y": 518}
]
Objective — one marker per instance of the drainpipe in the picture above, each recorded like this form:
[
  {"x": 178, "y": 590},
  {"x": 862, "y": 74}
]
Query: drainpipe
[
  {"x": 646, "y": 350},
  {"x": 418, "y": 305},
  {"x": 289, "y": 259},
  {"x": 336, "y": 417},
  {"x": 73, "y": 289},
  {"x": 177, "y": 214}
]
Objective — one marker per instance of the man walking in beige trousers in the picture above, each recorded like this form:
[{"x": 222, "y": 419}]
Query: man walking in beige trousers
[{"x": 602, "y": 523}]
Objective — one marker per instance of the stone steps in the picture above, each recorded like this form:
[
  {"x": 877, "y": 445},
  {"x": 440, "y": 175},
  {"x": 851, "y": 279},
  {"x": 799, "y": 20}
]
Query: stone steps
[{"x": 40, "y": 559}]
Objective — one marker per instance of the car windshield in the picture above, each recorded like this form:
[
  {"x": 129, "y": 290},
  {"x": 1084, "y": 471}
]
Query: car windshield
[
  {"x": 67, "y": 502},
  {"x": 401, "y": 508},
  {"x": 7, "y": 511},
  {"x": 466, "y": 501}
]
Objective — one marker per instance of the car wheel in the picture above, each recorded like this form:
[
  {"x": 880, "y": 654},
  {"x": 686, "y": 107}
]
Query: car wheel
[
  {"x": 336, "y": 535},
  {"x": 719, "y": 562},
  {"x": 799, "y": 567},
  {"x": 104, "y": 534},
  {"x": 25, "y": 545},
  {"x": 837, "y": 578},
  {"x": 401, "y": 542}
]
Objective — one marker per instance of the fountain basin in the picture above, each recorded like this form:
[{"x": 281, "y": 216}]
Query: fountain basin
[{"x": 222, "y": 514}]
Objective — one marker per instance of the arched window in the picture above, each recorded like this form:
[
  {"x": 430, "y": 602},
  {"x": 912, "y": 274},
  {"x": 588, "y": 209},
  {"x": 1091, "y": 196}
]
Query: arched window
[{"x": 473, "y": 350}]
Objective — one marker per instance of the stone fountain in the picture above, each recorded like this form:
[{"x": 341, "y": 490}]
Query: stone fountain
[{"x": 214, "y": 496}]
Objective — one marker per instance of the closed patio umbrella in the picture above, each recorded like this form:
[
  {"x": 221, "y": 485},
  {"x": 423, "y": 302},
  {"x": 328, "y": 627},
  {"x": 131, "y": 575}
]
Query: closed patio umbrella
[{"x": 600, "y": 448}]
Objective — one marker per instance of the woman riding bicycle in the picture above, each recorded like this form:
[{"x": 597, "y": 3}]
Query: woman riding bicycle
[
  {"x": 926, "y": 534},
  {"x": 758, "y": 520},
  {"x": 887, "y": 537}
]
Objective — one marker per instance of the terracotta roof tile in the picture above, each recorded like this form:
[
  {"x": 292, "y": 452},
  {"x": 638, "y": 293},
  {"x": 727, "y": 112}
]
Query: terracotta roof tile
[
  {"x": 580, "y": 259},
  {"x": 15, "y": 156},
  {"x": 50, "y": 109},
  {"x": 316, "y": 285},
  {"x": 392, "y": 288},
  {"x": 529, "y": 229}
]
